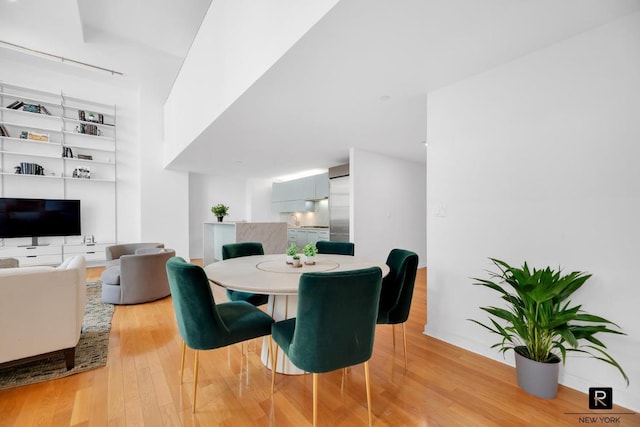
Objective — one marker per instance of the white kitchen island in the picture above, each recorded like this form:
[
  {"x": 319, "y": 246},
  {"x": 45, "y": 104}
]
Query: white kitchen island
[{"x": 272, "y": 235}]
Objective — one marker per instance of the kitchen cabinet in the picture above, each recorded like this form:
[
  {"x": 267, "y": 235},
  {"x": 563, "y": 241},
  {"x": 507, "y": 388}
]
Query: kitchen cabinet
[
  {"x": 302, "y": 236},
  {"x": 293, "y": 206},
  {"x": 297, "y": 195},
  {"x": 321, "y": 184}
]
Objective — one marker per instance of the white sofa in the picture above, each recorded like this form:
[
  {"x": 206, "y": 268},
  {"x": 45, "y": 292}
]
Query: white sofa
[{"x": 41, "y": 310}]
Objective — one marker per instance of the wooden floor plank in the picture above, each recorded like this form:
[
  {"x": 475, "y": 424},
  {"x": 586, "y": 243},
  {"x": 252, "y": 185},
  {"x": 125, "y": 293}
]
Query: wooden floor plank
[{"x": 140, "y": 386}]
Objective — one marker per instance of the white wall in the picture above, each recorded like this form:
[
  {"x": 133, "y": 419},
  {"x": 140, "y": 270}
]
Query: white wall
[
  {"x": 536, "y": 160},
  {"x": 388, "y": 205},
  {"x": 164, "y": 194},
  {"x": 238, "y": 41}
]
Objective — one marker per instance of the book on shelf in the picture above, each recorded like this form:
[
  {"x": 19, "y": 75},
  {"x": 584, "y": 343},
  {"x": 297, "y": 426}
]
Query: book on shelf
[
  {"x": 4, "y": 131},
  {"x": 15, "y": 105}
]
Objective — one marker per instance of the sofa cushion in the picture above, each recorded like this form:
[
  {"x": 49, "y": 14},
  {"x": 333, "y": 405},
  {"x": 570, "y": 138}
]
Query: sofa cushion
[{"x": 111, "y": 275}]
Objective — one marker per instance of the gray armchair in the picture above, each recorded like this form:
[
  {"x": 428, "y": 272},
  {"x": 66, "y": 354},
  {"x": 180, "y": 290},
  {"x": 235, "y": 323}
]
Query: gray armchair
[
  {"x": 114, "y": 252},
  {"x": 136, "y": 277}
]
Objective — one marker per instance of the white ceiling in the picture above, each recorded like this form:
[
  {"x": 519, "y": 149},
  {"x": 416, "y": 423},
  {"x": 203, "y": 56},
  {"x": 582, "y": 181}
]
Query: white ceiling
[
  {"x": 115, "y": 34},
  {"x": 324, "y": 95}
]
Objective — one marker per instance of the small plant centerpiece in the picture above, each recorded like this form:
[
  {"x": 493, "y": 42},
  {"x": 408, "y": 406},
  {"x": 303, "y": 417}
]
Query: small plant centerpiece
[
  {"x": 295, "y": 261},
  {"x": 292, "y": 251},
  {"x": 541, "y": 324},
  {"x": 220, "y": 211},
  {"x": 310, "y": 252}
]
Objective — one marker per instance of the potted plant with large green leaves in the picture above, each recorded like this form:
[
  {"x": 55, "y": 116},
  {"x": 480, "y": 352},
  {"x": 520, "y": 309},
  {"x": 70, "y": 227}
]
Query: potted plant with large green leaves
[{"x": 541, "y": 324}]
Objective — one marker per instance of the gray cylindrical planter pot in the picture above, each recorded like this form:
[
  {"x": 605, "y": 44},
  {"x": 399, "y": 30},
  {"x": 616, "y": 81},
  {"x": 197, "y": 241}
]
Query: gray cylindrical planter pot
[{"x": 537, "y": 378}]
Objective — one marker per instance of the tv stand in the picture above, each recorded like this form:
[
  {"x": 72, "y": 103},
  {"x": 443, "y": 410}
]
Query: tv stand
[
  {"x": 34, "y": 255},
  {"x": 34, "y": 242}
]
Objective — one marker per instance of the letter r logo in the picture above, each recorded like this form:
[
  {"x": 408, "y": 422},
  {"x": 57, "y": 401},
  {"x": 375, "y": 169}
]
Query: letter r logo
[{"x": 600, "y": 398}]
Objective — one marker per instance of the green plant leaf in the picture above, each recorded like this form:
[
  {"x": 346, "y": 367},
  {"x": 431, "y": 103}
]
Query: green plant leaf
[{"x": 540, "y": 316}]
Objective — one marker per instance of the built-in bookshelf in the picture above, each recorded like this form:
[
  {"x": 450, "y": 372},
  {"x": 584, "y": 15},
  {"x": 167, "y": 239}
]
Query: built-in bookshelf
[{"x": 53, "y": 145}]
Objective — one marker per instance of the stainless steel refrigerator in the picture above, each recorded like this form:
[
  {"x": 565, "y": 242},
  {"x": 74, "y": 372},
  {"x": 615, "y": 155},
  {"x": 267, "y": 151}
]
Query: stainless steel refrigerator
[{"x": 339, "y": 203}]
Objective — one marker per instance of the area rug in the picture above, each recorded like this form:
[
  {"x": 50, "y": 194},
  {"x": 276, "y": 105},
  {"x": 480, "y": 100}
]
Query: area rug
[{"x": 91, "y": 351}]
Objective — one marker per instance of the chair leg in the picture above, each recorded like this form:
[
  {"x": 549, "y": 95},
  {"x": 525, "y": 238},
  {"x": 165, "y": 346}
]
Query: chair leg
[
  {"x": 274, "y": 357},
  {"x": 184, "y": 348},
  {"x": 393, "y": 334},
  {"x": 404, "y": 340},
  {"x": 367, "y": 384},
  {"x": 195, "y": 381},
  {"x": 315, "y": 400}
]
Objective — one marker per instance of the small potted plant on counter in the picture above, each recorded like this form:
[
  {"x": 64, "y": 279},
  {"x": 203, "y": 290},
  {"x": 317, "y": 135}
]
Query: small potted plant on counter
[
  {"x": 220, "y": 211},
  {"x": 292, "y": 251},
  {"x": 310, "y": 252},
  {"x": 295, "y": 261}
]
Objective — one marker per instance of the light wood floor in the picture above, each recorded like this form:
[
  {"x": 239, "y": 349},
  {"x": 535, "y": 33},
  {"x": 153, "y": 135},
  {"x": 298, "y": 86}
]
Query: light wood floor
[{"x": 443, "y": 386}]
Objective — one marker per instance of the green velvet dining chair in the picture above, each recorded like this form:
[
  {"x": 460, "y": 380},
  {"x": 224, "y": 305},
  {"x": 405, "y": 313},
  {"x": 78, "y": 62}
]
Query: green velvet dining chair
[
  {"x": 334, "y": 326},
  {"x": 397, "y": 292},
  {"x": 203, "y": 324},
  {"x": 336, "y": 248},
  {"x": 235, "y": 250}
]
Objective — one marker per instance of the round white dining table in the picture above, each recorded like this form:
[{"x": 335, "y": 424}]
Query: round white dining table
[{"x": 271, "y": 275}]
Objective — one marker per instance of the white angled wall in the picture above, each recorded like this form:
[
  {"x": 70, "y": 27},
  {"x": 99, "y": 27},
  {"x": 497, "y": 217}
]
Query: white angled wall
[
  {"x": 238, "y": 41},
  {"x": 537, "y": 160}
]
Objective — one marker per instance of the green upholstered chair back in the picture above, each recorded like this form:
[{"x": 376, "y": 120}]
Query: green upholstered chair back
[
  {"x": 235, "y": 250},
  {"x": 397, "y": 287},
  {"x": 336, "y": 317},
  {"x": 337, "y": 248},
  {"x": 195, "y": 306}
]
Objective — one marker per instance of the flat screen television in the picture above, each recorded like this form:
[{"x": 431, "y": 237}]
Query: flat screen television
[{"x": 39, "y": 218}]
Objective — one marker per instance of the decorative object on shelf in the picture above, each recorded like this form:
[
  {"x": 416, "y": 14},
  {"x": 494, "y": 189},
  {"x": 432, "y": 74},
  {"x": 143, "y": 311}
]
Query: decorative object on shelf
[
  {"x": 295, "y": 261},
  {"x": 220, "y": 211},
  {"x": 31, "y": 108},
  {"x": 541, "y": 326},
  {"x": 90, "y": 116},
  {"x": 292, "y": 251},
  {"x": 4, "y": 131},
  {"x": 310, "y": 252},
  {"x": 88, "y": 129},
  {"x": 82, "y": 172},
  {"x": 67, "y": 153},
  {"x": 24, "y": 134},
  {"x": 88, "y": 239},
  {"x": 34, "y": 136}
]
